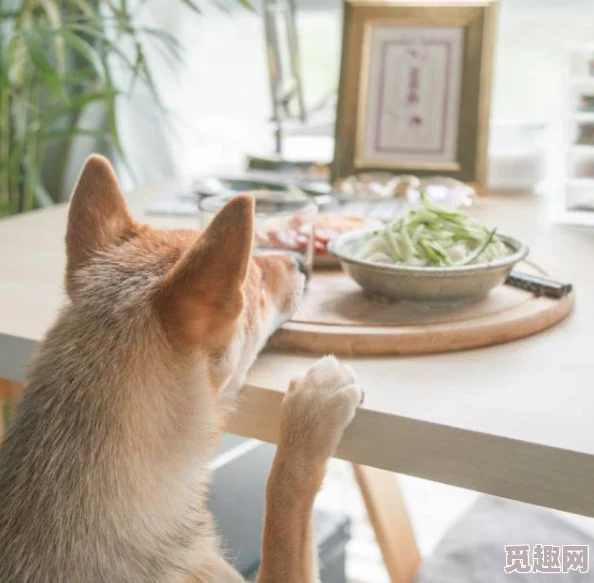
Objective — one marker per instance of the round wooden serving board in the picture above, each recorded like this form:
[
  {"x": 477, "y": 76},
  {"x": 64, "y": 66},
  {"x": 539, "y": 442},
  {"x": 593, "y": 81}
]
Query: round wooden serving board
[{"x": 336, "y": 317}]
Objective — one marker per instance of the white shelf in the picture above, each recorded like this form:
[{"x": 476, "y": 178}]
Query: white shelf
[
  {"x": 568, "y": 217},
  {"x": 584, "y": 148},
  {"x": 581, "y": 80},
  {"x": 580, "y": 47},
  {"x": 578, "y": 184},
  {"x": 580, "y": 181},
  {"x": 582, "y": 116}
]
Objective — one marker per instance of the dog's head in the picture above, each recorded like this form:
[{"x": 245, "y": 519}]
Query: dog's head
[{"x": 206, "y": 296}]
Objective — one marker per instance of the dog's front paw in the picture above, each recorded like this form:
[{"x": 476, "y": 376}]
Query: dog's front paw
[{"x": 318, "y": 407}]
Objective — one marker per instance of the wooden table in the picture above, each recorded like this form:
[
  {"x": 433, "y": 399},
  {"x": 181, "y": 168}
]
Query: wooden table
[{"x": 513, "y": 420}]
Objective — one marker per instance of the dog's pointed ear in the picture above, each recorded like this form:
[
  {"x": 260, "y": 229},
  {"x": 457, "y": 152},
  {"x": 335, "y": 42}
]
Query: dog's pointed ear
[
  {"x": 98, "y": 214},
  {"x": 202, "y": 296}
]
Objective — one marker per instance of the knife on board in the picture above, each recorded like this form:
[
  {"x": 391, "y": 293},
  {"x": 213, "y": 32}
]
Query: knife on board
[{"x": 538, "y": 285}]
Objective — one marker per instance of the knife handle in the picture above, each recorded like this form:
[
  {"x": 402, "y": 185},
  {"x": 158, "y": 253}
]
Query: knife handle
[{"x": 539, "y": 286}]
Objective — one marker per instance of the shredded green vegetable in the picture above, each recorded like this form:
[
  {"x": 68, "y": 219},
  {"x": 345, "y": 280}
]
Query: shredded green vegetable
[{"x": 434, "y": 237}]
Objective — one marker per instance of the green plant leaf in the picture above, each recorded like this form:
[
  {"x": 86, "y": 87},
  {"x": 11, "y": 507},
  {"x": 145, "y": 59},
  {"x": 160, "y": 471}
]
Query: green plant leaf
[
  {"x": 84, "y": 49},
  {"x": 43, "y": 66},
  {"x": 76, "y": 105},
  {"x": 166, "y": 38},
  {"x": 109, "y": 47},
  {"x": 118, "y": 12},
  {"x": 72, "y": 133},
  {"x": 224, "y": 5},
  {"x": 88, "y": 9},
  {"x": 7, "y": 209},
  {"x": 52, "y": 11},
  {"x": 147, "y": 77},
  {"x": 192, "y": 6},
  {"x": 42, "y": 197}
]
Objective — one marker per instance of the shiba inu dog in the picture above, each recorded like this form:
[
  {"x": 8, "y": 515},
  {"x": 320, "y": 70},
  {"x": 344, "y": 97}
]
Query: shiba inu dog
[{"x": 104, "y": 471}]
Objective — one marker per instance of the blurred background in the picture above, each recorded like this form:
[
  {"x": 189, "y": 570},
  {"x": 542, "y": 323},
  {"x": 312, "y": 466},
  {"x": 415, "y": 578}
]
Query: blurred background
[
  {"x": 220, "y": 97},
  {"x": 205, "y": 61}
]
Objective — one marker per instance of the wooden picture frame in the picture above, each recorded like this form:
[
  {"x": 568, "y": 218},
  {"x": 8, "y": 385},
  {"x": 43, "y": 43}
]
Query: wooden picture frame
[{"x": 415, "y": 88}]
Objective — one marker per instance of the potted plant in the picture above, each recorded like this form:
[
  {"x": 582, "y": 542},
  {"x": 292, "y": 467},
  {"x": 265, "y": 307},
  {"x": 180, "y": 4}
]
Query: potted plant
[{"x": 60, "y": 61}]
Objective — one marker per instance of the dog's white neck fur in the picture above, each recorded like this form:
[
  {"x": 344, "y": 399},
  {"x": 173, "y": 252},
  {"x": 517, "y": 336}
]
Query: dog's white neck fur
[{"x": 243, "y": 352}]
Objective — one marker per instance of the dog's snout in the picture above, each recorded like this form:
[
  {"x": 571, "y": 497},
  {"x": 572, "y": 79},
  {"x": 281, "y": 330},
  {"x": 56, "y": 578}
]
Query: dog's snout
[{"x": 302, "y": 267}]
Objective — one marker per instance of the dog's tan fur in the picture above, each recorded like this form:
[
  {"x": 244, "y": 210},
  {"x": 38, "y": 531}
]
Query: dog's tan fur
[{"x": 104, "y": 472}]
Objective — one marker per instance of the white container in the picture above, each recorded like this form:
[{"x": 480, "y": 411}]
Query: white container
[{"x": 517, "y": 156}]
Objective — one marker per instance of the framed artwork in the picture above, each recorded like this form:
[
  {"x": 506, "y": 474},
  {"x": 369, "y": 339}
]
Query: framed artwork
[{"x": 415, "y": 88}]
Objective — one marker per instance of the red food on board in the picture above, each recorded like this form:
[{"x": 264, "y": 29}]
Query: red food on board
[{"x": 294, "y": 235}]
